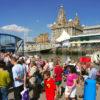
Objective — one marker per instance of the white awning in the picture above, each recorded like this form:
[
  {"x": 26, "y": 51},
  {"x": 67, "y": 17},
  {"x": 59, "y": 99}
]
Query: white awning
[{"x": 64, "y": 36}]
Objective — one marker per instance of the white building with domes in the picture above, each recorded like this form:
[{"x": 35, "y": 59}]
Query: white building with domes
[{"x": 72, "y": 26}]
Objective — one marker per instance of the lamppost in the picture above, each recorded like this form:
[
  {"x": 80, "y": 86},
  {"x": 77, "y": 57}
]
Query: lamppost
[{"x": 25, "y": 40}]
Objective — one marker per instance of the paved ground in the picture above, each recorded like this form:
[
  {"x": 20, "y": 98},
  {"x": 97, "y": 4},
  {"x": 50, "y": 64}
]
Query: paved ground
[{"x": 42, "y": 96}]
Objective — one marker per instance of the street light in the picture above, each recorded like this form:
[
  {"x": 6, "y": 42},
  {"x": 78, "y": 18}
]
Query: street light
[{"x": 25, "y": 40}]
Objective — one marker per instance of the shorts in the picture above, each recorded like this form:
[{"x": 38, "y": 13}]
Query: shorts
[
  {"x": 71, "y": 94},
  {"x": 58, "y": 83}
]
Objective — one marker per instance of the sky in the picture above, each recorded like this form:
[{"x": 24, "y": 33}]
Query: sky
[{"x": 34, "y": 16}]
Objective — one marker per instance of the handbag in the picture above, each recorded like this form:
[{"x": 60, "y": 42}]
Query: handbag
[{"x": 25, "y": 94}]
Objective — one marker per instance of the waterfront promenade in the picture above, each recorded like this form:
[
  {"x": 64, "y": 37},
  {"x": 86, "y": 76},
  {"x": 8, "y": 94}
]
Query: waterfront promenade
[{"x": 42, "y": 96}]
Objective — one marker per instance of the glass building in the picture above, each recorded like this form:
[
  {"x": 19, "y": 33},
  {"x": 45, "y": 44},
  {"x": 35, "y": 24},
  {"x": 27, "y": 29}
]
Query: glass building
[{"x": 10, "y": 42}]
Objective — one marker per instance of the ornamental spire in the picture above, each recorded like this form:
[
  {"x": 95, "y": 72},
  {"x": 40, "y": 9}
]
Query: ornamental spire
[
  {"x": 61, "y": 19},
  {"x": 76, "y": 20}
]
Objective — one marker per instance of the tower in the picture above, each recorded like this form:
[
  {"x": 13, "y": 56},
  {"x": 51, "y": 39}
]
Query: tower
[
  {"x": 76, "y": 20},
  {"x": 78, "y": 29},
  {"x": 60, "y": 24},
  {"x": 61, "y": 18}
]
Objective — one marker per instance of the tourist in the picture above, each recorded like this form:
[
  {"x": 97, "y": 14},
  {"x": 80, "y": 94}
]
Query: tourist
[
  {"x": 27, "y": 63},
  {"x": 39, "y": 61},
  {"x": 38, "y": 86},
  {"x": 4, "y": 81},
  {"x": 32, "y": 72},
  {"x": 46, "y": 66},
  {"x": 50, "y": 86},
  {"x": 18, "y": 77},
  {"x": 92, "y": 72},
  {"x": 71, "y": 81},
  {"x": 66, "y": 70},
  {"x": 58, "y": 71},
  {"x": 51, "y": 66},
  {"x": 84, "y": 71},
  {"x": 78, "y": 67},
  {"x": 7, "y": 58},
  {"x": 32, "y": 77}
]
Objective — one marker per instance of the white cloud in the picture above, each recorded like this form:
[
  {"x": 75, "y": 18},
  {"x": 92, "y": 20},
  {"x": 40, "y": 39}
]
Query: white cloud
[{"x": 15, "y": 28}]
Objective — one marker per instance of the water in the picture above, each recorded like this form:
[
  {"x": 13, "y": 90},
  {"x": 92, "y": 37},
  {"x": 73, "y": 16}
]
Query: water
[{"x": 63, "y": 57}]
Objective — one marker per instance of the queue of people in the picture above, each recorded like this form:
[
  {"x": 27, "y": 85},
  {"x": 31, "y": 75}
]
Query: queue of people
[{"x": 39, "y": 75}]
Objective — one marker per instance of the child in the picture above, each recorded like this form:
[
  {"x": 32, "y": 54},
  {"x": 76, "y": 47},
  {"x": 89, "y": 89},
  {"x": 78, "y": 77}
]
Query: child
[
  {"x": 71, "y": 82},
  {"x": 50, "y": 87}
]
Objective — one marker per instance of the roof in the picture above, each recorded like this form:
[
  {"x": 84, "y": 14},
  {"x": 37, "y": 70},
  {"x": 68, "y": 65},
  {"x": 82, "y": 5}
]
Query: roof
[{"x": 91, "y": 27}]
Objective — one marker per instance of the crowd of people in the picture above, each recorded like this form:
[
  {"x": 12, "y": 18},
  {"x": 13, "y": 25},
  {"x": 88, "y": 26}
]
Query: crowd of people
[{"x": 43, "y": 75}]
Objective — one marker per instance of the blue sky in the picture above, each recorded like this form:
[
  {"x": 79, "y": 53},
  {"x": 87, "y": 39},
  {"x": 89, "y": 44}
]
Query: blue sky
[{"x": 35, "y": 15}]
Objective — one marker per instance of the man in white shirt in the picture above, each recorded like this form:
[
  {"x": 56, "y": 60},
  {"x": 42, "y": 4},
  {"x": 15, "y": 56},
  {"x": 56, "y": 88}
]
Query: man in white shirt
[
  {"x": 18, "y": 72},
  {"x": 93, "y": 72}
]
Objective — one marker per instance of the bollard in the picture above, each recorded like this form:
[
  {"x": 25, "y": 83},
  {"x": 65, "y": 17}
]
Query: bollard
[{"x": 90, "y": 89}]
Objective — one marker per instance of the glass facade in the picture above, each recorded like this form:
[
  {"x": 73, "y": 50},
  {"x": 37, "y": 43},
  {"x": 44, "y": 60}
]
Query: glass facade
[{"x": 8, "y": 42}]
